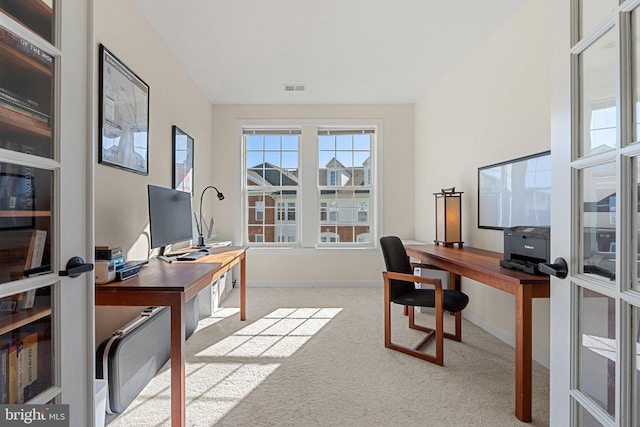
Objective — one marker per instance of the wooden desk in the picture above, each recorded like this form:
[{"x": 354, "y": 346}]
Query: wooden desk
[
  {"x": 172, "y": 285},
  {"x": 484, "y": 267}
]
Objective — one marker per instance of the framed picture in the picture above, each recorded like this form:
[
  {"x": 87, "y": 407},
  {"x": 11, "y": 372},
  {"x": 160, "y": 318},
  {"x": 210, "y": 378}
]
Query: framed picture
[
  {"x": 182, "y": 161},
  {"x": 123, "y": 116}
]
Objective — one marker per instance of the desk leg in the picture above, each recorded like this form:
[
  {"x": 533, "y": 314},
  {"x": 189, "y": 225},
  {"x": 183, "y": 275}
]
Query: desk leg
[
  {"x": 523, "y": 353},
  {"x": 454, "y": 280},
  {"x": 243, "y": 288},
  {"x": 178, "y": 406}
]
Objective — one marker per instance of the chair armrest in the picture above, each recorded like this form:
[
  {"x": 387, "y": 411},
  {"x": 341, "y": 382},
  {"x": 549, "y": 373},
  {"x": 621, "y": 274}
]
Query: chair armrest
[{"x": 411, "y": 278}]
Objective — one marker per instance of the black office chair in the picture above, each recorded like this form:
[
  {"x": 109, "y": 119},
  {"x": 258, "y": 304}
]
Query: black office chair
[{"x": 400, "y": 288}]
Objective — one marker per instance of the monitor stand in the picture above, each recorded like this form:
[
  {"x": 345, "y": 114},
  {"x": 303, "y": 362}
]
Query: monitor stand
[{"x": 162, "y": 256}]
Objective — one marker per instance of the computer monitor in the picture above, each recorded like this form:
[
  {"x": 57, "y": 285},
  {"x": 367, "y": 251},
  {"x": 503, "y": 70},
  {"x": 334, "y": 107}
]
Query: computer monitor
[{"x": 169, "y": 216}]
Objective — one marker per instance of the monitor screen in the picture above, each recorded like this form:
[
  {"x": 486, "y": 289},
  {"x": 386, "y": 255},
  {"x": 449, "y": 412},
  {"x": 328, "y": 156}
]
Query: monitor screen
[
  {"x": 169, "y": 216},
  {"x": 515, "y": 193}
]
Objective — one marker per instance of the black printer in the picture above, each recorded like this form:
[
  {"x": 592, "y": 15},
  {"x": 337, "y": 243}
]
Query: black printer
[{"x": 525, "y": 247}]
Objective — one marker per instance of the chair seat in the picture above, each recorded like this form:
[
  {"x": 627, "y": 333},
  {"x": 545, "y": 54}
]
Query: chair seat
[{"x": 454, "y": 301}]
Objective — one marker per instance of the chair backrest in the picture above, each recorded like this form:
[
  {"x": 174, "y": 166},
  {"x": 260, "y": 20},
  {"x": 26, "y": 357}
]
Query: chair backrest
[{"x": 397, "y": 261}]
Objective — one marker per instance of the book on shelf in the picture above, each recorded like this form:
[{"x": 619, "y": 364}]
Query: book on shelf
[
  {"x": 16, "y": 189},
  {"x": 23, "y": 118},
  {"x": 4, "y": 371},
  {"x": 44, "y": 119},
  {"x": 17, "y": 194},
  {"x": 25, "y": 47},
  {"x": 36, "y": 249},
  {"x": 20, "y": 101},
  {"x": 13, "y": 372},
  {"x": 27, "y": 364},
  {"x": 17, "y": 146},
  {"x": 27, "y": 299}
]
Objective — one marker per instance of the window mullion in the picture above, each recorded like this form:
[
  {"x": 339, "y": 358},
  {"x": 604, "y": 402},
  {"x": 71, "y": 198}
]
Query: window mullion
[{"x": 309, "y": 217}]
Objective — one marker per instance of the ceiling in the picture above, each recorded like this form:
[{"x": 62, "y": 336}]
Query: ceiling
[{"x": 342, "y": 51}]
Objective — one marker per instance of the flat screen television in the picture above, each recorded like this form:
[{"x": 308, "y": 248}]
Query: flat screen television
[
  {"x": 515, "y": 193},
  {"x": 169, "y": 216}
]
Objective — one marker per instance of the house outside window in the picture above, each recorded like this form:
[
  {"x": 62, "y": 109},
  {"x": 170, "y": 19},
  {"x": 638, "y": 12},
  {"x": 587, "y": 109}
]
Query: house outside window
[
  {"x": 290, "y": 172},
  {"x": 272, "y": 188},
  {"x": 344, "y": 183},
  {"x": 259, "y": 209}
]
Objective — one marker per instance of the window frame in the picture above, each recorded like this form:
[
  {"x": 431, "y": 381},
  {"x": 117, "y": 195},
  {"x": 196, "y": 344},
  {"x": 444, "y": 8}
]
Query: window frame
[{"x": 308, "y": 215}]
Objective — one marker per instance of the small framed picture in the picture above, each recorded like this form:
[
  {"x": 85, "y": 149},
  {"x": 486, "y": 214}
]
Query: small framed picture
[
  {"x": 182, "y": 160},
  {"x": 124, "y": 116}
]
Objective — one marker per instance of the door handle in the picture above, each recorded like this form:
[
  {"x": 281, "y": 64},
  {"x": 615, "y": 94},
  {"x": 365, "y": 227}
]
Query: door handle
[
  {"x": 75, "y": 267},
  {"x": 559, "y": 268}
]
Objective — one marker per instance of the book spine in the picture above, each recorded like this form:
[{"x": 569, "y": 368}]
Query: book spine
[
  {"x": 27, "y": 112},
  {"x": 14, "y": 98},
  {"x": 4, "y": 374},
  {"x": 29, "y": 364},
  {"x": 13, "y": 373},
  {"x": 20, "y": 373},
  {"x": 27, "y": 299},
  {"x": 25, "y": 47},
  {"x": 40, "y": 238}
]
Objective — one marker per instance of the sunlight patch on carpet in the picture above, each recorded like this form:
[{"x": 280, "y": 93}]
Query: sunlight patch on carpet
[
  {"x": 214, "y": 388},
  {"x": 278, "y": 334},
  {"x": 216, "y": 317}
]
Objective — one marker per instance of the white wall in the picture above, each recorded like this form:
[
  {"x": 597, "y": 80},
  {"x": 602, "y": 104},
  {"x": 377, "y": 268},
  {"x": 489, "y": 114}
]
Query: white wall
[
  {"x": 121, "y": 196},
  {"x": 494, "y": 106},
  {"x": 310, "y": 266}
]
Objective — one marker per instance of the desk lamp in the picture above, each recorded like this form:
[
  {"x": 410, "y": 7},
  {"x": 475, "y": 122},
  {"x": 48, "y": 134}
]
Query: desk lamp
[
  {"x": 199, "y": 224},
  {"x": 448, "y": 217}
]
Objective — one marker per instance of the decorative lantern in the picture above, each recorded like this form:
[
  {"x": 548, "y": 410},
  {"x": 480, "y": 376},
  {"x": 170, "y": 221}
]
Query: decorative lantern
[{"x": 448, "y": 217}]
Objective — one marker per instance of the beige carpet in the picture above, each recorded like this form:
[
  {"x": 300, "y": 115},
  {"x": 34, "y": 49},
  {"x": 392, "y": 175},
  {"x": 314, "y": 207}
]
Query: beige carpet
[{"x": 316, "y": 357}]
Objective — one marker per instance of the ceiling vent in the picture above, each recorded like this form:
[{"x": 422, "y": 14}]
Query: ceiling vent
[{"x": 294, "y": 88}]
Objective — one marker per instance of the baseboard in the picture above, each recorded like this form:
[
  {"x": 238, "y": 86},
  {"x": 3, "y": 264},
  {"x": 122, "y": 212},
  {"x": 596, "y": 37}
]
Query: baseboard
[
  {"x": 537, "y": 355},
  {"x": 314, "y": 283}
]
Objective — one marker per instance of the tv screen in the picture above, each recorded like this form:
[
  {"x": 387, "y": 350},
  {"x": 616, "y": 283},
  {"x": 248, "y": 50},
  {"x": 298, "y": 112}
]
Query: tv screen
[
  {"x": 515, "y": 193},
  {"x": 169, "y": 216}
]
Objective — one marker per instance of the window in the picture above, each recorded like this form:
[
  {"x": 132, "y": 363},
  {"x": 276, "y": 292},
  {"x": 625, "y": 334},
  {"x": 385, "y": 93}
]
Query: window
[
  {"x": 259, "y": 211},
  {"x": 344, "y": 183},
  {"x": 310, "y": 186},
  {"x": 271, "y": 177}
]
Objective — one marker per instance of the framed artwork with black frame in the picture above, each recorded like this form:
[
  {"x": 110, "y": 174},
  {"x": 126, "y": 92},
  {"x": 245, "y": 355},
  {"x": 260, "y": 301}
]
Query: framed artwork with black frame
[
  {"x": 182, "y": 160},
  {"x": 123, "y": 116}
]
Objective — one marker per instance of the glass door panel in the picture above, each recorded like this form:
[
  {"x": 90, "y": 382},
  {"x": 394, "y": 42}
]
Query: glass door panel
[
  {"x": 598, "y": 111},
  {"x": 635, "y": 58},
  {"x": 25, "y": 221},
  {"x": 36, "y": 15},
  {"x": 597, "y": 348},
  {"x": 26, "y": 347},
  {"x": 26, "y": 96},
  {"x": 598, "y": 222},
  {"x": 594, "y": 13},
  {"x": 585, "y": 419}
]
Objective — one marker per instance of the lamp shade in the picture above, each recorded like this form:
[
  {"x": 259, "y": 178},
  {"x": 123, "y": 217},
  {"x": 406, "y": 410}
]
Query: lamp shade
[{"x": 448, "y": 217}]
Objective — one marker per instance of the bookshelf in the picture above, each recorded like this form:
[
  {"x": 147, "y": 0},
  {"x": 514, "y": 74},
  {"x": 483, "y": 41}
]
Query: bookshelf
[
  {"x": 37, "y": 15},
  {"x": 28, "y": 84},
  {"x": 14, "y": 321}
]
